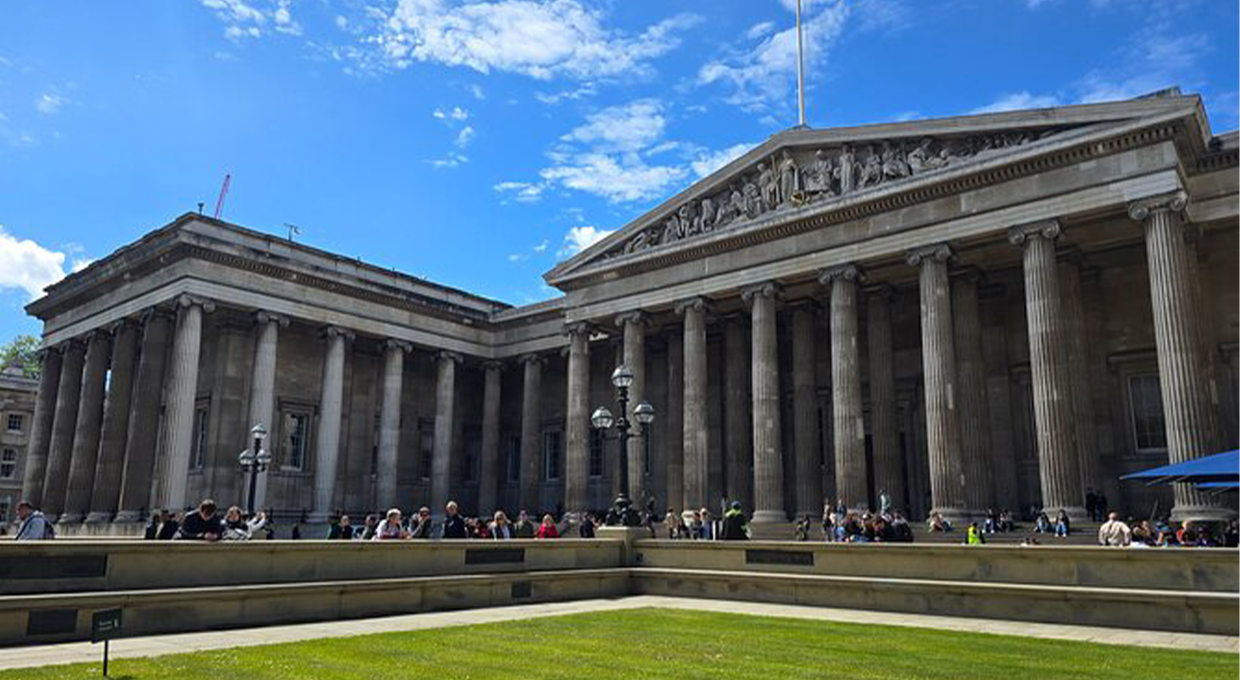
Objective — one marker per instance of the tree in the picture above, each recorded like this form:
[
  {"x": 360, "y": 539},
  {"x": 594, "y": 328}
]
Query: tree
[{"x": 22, "y": 351}]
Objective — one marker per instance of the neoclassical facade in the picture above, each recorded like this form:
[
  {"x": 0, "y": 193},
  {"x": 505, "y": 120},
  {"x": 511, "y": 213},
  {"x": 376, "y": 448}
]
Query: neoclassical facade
[{"x": 995, "y": 311}]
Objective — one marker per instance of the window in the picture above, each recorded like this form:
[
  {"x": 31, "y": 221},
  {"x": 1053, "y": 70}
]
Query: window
[
  {"x": 1145, "y": 401},
  {"x": 8, "y": 463},
  {"x": 4, "y": 512},
  {"x": 514, "y": 459},
  {"x": 596, "y": 453},
  {"x": 199, "y": 453},
  {"x": 552, "y": 448},
  {"x": 16, "y": 422},
  {"x": 427, "y": 460},
  {"x": 296, "y": 433}
]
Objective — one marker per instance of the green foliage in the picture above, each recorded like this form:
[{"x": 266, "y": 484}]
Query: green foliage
[
  {"x": 665, "y": 643},
  {"x": 23, "y": 350}
]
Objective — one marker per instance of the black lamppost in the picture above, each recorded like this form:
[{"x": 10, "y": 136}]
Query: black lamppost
[
  {"x": 622, "y": 512},
  {"x": 255, "y": 460}
]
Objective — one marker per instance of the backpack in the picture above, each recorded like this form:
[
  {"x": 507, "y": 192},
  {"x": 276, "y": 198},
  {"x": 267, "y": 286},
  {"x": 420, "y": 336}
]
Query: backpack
[{"x": 49, "y": 531}]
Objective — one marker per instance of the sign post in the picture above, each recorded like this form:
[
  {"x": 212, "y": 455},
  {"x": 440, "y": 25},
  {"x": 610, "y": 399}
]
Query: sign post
[{"x": 105, "y": 625}]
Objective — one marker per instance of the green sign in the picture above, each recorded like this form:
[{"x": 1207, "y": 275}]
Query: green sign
[{"x": 105, "y": 625}]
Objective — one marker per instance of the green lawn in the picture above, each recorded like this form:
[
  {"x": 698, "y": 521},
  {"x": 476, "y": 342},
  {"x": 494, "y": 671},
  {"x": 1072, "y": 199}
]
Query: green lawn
[{"x": 662, "y": 643}]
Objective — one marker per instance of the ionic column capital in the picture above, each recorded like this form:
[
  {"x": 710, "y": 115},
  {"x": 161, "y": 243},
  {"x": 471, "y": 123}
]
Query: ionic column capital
[
  {"x": 333, "y": 332},
  {"x": 637, "y": 316},
  {"x": 841, "y": 272},
  {"x": 766, "y": 289},
  {"x": 1175, "y": 201},
  {"x": 447, "y": 355},
  {"x": 185, "y": 301},
  {"x": 158, "y": 311},
  {"x": 578, "y": 328},
  {"x": 263, "y": 316},
  {"x": 936, "y": 252},
  {"x": 493, "y": 365},
  {"x": 1021, "y": 234},
  {"x": 697, "y": 304},
  {"x": 532, "y": 358},
  {"x": 394, "y": 345}
]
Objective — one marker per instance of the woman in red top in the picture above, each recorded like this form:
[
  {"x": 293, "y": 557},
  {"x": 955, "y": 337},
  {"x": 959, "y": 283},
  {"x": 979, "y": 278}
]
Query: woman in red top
[{"x": 547, "y": 529}]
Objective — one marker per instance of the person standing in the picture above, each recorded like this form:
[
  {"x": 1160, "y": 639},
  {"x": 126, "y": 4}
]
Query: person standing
[
  {"x": 548, "y": 529},
  {"x": 735, "y": 525},
  {"x": 421, "y": 526},
  {"x": 202, "y": 525},
  {"x": 33, "y": 525},
  {"x": 1113, "y": 532},
  {"x": 586, "y": 529},
  {"x": 524, "y": 527},
  {"x": 500, "y": 528},
  {"x": 453, "y": 524}
]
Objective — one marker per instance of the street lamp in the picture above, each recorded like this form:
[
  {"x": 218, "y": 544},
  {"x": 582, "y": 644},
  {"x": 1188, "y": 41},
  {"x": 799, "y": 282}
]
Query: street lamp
[
  {"x": 255, "y": 460},
  {"x": 622, "y": 512}
]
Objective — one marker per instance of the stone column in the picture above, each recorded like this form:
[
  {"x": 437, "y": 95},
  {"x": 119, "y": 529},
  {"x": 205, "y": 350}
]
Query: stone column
[
  {"x": 1058, "y": 465},
  {"x": 577, "y": 427},
  {"x": 263, "y": 387},
  {"x": 738, "y": 419},
  {"x": 947, "y": 482},
  {"x": 768, "y": 465},
  {"x": 445, "y": 417},
  {"x": 694, "y": 436},
  {"x": 41, "y": 428},
  {"x": 634, "y": 326},
  {"x": 672, "y": 413},
  {"x": 179, "y": 413},
  {"x": 394, "y": 352},
  {"x": 1192, "y": 428},
  {"x": 971, "y": 377},
  {"x": 327, "y": 434},
  {"x": 805, "y": 441},
  {"x": 86, "y": 430},
  {"x": 142, "y": 434},
  {"x": 489, "y": 466},
  {"x": 850, "y": 478},
  {"x": 111, "y": 463},
  {"x": 60, "y": 453},
  {"x": 531, "y": 432},
  {"x": 884, "y": 422},
  {"x": 1077, "y": 336}
]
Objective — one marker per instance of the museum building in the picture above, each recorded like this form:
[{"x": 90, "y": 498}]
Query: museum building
[{"x": 995, "y": 311}]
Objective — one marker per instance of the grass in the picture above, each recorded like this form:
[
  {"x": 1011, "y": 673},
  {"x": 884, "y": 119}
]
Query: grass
[{"x": 663, "y": 643}]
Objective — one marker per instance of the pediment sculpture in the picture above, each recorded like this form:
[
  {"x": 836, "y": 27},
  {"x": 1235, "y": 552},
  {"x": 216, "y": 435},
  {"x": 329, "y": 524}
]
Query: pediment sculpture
[{"x": 789, "y": 179}]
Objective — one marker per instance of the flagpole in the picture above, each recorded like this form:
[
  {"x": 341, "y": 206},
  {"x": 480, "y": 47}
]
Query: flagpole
[{"x": 800, "y": 70}]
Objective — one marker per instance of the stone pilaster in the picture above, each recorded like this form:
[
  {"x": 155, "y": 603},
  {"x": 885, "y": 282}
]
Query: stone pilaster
[
  {"x": 267, "y": 327},
  {"x": 41, "y": 428},
  {"x": 971, "y": 378},
  {"x": 850, "y": 473},
  {"x": 111, "y": 464},
  {"x": 1192, "y": 428},
  {"x": 634, "y": 326},
  {"x": 694, "y": 423},
  {"x": 1058, "y": 465},
  {"x": 445, "y": 419},
  {"x": 531, "y": 432},
  {"x": 805, "y": 441},
  {"x": 142, "y": 434},
  {"x": 60, "y": 453},
  {"x": 884, "y": 422},
  {"x": 672, "y": 414},
  {"x": 1077, "y": 334},
  {"x": 577, "y": 427},
  {"x": 327, "y": 435},
  {"x": 87, "y": 428},
  {"x": 738, "y": 419},
  {"x": 179, "y": 413},
  {"x": 947, "y": 481},
  {"x": 489, "y": 465},
  {"x": 768, "y": 465},
  {"x": 394, "y": 352}
]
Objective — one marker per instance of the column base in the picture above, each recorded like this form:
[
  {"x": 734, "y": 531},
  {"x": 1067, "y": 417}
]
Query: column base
[
  {"x": 1202, "y": 513},
  {"x": 316, "y": 518},
  {"x": 71, "y": 518},
  {"x": 959, "y": 517},
  {"x": 768, "y": 530},
  {"x": 128, "y": 516},
  {"x": 98, "y": 517}
]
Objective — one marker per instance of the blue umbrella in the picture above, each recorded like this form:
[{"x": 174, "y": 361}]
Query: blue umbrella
[{"x": 1221, "y": 467}]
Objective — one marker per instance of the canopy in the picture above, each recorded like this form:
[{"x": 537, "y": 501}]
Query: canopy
[
  {"x": 1219, "y": 485},
  {"x": 1221, "y": 467}
]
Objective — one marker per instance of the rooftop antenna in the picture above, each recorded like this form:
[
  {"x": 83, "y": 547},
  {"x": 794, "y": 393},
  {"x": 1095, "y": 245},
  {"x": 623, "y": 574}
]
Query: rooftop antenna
[
  {"x": 219, "y": 204},
  {"x": 292, "y": 229},
  {"x": 800, "y": 71},
  {"x": 201, "y": 206}
]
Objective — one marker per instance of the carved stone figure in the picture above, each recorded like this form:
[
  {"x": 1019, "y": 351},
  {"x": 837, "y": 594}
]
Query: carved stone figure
[
  {"x": 687, "y": 225},
  {"x": 894, "y": 166},
  {"x": 673, "y": 230},
  {"x": 789, "y": 178},
  {"x": 733, "y": 208},
  {"x": 769, "y": 186},
  {"x": 818, "y": 176},
  {"x": 872, "y": 170},
  {"x": 706, "y": 216},
  {"x": 922, "y": 158},
  {"x": 753, "y": 200},
  {"x": 846, "y": 170}
]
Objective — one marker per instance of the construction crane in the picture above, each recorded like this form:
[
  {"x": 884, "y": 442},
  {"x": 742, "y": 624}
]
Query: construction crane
[{"x": 219, "y": 204}]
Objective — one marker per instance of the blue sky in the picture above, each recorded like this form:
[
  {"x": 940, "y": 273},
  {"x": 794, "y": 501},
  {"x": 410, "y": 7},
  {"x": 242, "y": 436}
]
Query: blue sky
[{"x": 477, "y": 142}]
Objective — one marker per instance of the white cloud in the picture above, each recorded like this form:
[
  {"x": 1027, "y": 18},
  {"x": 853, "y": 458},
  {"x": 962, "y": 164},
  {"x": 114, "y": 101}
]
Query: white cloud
[
  {"x": 518, "y": 257},
  {"x": 523, "y": 192},
  {"x": 50, "y": 103},
  {"x": 585, "y": 90},
  {"x": 759, "y": 30},
  {"x": 542, "y": 247},
  {"x": 456, "y": 113},
  {"x": 536, "y": 38},
  {"x": 252, "y": 19},
  {"x": 465, "y": 136},
  {"x": 710, "y": 161},
  {"x": 1018, "y": 100},
  {"x": 452, "y": 160},
  {"x": 579, "y": 238},
  {"x": 478, "y": 92},
  {"x": 29, "y": 266}
]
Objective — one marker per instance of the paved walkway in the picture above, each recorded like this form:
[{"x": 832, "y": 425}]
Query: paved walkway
[{"x": 75, "y": 652}]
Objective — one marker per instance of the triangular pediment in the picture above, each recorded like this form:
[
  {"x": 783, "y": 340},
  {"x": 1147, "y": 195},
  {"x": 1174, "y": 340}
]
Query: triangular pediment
[{"x": 807, "y": 168}]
